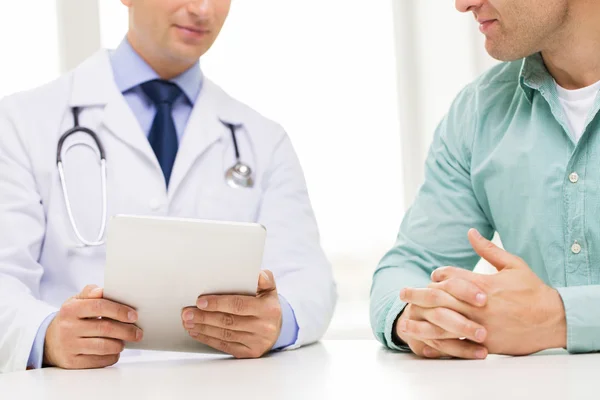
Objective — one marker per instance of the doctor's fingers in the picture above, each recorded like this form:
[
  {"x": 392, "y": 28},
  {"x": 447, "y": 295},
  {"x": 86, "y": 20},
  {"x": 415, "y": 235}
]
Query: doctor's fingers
[
  {"x": 232, "y": 304},
  {"x": 98, "y": 346},
  {"x": 235, "y": 349},
  {"x": 222, "y": 320},
  {"x": 247, "y": 339},
  {"x": 83, "y": 361},
  {"x": 90, "y": 292},
  {"x": 94, "y": 308},
  {"x": 107, "y": 328}
]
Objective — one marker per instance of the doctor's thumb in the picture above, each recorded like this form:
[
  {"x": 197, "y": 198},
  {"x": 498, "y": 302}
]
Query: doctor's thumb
[
  {"x": 266, "y": 281},
  {"x": 91, "y": 292}
]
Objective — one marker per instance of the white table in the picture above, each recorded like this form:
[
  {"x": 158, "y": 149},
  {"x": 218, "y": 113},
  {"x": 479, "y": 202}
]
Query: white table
[{"x": 329, "y": 370}]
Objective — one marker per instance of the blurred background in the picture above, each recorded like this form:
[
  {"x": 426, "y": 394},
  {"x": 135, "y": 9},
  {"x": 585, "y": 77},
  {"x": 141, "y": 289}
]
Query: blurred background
[{"x": 359, "y": 86}]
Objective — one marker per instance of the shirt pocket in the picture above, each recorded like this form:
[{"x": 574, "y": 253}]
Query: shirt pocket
[{"x": 230, "y": 204}]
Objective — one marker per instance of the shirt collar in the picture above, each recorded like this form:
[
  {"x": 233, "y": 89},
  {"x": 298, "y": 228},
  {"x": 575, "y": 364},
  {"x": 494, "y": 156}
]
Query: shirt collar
[
  {"x": 130, "y": 71},
  {"x": 534, "y": 75}
]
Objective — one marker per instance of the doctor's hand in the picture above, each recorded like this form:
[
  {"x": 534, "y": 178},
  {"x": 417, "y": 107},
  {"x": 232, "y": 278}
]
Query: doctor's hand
[
  {"x": 243, "y": 326},
  {"x": 78, "y": 339},
  {"x": 523, "y": 314},
  {"x": 433, "y": 324}
]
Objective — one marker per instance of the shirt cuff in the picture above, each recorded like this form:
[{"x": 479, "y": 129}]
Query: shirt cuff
[
  {"x": 399, "y": 343},
  {"x": 583, "y": 319},
  {"x": 289, "y": 326},
  {"x": 36, "y": 356},
  {"x": 390, "y": 321}
]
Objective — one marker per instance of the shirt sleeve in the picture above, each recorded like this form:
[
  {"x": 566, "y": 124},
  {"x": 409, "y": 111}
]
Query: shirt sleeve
[
  {"x": 36, "y": 357},
  {"x": 583, "y": 319},
  {"x": 433, "y": 233},
  {"x": 289, "y": 326}
]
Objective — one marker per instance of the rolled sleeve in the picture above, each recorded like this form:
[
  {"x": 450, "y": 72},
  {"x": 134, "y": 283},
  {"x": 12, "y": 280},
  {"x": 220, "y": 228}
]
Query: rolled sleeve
[
  {"x": 289, "y": 326},
  {"x": 583, "y": 319},
  {"x": 386, "y": 305},
  {"x": 395, "y": 311},
  {"x": 433, "y": 232}
]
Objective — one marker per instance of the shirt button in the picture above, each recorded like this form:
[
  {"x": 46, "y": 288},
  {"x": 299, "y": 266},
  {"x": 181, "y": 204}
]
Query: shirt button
[
  {"x": 576, "y": 248},
  {"x": 154, "y": 204},
  {"x": 574, "y": 178}
]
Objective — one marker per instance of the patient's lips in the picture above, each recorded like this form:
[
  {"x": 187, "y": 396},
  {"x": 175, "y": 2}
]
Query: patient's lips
[{"x": 487, "y": 25}]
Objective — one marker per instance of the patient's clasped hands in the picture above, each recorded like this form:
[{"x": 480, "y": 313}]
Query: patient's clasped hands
[{"x": 468, "y": 315}]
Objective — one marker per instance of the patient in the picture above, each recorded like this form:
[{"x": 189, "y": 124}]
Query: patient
[{"x": 517, "y": 154}]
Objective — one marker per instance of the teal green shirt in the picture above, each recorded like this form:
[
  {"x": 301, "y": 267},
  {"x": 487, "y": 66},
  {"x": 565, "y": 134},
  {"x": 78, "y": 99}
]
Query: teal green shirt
[{"x": 504, "y": 160}]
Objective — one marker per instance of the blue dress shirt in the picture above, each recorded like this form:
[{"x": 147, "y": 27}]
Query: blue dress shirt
[{"x": 130, "y": 71}]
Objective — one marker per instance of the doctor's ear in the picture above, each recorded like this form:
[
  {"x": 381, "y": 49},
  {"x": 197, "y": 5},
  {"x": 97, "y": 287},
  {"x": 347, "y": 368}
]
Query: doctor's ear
[{"x": 126, "y": 3}]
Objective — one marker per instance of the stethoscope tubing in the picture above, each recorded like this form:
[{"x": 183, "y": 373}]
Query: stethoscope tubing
[
  {"x": 99, "y": 241},
  {"x": 233, "y": 176}
]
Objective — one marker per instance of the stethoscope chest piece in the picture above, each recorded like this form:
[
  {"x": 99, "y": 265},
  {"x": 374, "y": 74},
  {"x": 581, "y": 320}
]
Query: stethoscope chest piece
[{"x": 239, "y": 176}]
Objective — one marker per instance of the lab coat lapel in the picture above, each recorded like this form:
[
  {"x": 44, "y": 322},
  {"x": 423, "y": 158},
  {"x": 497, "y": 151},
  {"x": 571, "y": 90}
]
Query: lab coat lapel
[
  {"x": 94, "y": 85},
  {"x": 122, "y": 123},
  {"x": 204, "y": 129}
]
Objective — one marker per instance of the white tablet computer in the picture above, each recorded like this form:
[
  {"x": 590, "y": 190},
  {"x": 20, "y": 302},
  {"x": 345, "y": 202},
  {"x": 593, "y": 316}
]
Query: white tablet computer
[{"x": 159, "y": 266}]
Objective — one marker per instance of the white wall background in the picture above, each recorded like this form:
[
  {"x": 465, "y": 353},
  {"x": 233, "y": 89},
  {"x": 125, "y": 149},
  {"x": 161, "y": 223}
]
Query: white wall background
[
  {"x": 332, "y": 88},
  {"x": 439, "y": 52},
  {"x": 360, "y": 87},
  {"x": 28, "y": 44}
]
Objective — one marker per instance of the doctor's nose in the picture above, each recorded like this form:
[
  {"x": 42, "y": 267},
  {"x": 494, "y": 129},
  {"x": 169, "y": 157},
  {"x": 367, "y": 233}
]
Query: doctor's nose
[
  {"x": 199, "y": 7},
  {"x": 468, "y": 5}
]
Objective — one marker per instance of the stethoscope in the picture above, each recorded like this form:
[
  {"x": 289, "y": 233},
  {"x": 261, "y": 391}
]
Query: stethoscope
[
  {"x": 237, "y": 176},
  {"x": 99, "y": 241},
  {"x": 240, "y": 174}
]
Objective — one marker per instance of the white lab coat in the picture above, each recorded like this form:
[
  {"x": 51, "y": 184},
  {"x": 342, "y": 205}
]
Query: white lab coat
[{"x": 41, "y": 262}]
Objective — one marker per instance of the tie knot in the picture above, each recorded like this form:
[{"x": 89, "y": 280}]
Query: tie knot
[{"x": 161, "y": 91}]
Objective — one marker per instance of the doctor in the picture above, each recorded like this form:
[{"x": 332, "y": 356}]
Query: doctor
[{"x": 169, "y": 135}]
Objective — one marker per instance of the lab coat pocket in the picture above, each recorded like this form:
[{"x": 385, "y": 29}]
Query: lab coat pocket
[
  {"x": 91, "y": 258},
  {"x": 229, "y": 204},
  {"x": 84, "y": 253}
]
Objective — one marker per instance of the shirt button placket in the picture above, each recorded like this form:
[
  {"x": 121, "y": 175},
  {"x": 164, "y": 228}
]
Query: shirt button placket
[{"x": 577, "y": 270}]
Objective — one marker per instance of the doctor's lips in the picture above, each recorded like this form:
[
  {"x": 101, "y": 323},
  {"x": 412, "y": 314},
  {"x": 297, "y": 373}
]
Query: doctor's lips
[{"x": 193, "y": 30}]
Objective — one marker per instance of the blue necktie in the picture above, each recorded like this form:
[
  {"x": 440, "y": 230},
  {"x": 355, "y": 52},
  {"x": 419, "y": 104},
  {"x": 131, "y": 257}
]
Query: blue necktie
[{"x": 163, "y": 135}]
